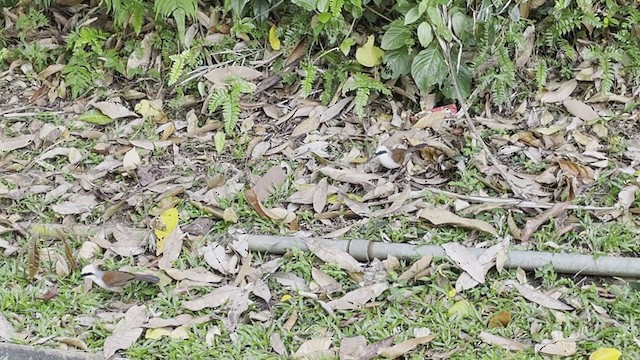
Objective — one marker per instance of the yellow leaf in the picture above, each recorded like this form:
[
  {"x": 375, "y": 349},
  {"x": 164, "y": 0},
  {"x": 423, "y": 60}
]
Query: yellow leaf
[
  {"x": 285, "y": 298},
  {"x": 369, "y": 55},
  {"x": 460, "y": 309},
  {"x": 157, "y": 333},
  {"x": 166, "y": 224},
  {"x": 273, "y": 38},
  {"x": 606, "y": 354},
  {"x": 230, "y": 215},
  {"x": 452, "y": 292}
]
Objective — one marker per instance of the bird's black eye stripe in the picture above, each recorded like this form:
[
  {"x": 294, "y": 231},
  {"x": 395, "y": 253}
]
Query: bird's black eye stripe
[
  {"x": 380, "y": 152},
  {"x": 86, "y": 274}
]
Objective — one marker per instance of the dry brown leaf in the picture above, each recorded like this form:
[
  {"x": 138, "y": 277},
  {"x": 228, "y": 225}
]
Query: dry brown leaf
[
  {"x": 439, "y": 217},
  {"x": 580, "y": 109},
  {"x": 331, "y": 254},
  {"x": 194, "y": 274},
  {"x": 577, "y": 170},
  {"x": 404, "y": 347},
  {"x": 487, "y": 259},
  {"x": 350, "y": 176},
  {"x": 216, "y": 298},
  {"x": 127, "y": 331},
  {"x": 142, "y": 58},
  {"x": 17, "y": 142},
  {"x": 505, "y": 343},
  {"x": 560, "y": 94},
  {"x": 33, "y": 258},
  {"x": 351, "y": 348},
  {"x": 220, "y": 75},
  {"x": 238, "y": 305},
  {"x": 277, "y": 344},
  {"x": 77, "y": 204},
  {"x": 540, "y": 298},
  {"x": 465, "y": 260},
  {"x": 126, "y": 244},
  {"x": 371, "y": 351},
  {"x": 172, "y": 248},
  {"x": 315, "y": 349},
  {"x": 357, "y": 207},
  {"x": 75, "y": 342},
  {"x": 113, "y": 110},
  {"x": 306, "y": 126},
  {"x": 416, "y": 268},
  {"x": 320, "y": 195},
  {"x": 270, "y": 182},
  {"x": 557, "y": 345},
  {"x": 358, "y": 297},
  {"x": 534, "y": 224},
  {"x": 50, "y": 70},
  {"x": 217, "y": 257},
  {"x": 179, "y": 320},
  {"x": 326, "y": 284}
]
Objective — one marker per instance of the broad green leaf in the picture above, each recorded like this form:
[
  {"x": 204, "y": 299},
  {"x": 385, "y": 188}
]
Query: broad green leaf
[
  {"x": 369, "y": 55},
  {"x": 461, "y": 25},
  {"x": 346, "y": 45},
  {"x": 324, "y": 17},
  {"x": 412, "y": 15},
  {"x": 398, "y": 62},
  {"x": 425, "y": 35},
  {"x": 309, "y": 5},
  {"x": 323, "y": 5},
  {"x": 395, "y": 37},
  {"x": 464, "y": 83},
  {"x": 428, "y": 68},
  {"x": 423, "y": 6},
  {"x": 94, "y": 116}
]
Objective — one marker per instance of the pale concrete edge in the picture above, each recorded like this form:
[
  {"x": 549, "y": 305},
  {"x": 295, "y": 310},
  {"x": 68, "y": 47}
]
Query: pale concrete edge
[{"x": 24, "y": 352}]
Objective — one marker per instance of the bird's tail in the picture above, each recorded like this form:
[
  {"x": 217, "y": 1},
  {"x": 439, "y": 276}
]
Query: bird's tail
[{"x": 148, "y": 278}]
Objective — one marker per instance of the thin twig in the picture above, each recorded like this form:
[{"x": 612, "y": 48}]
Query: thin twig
[{"x": 472, "y": 127}]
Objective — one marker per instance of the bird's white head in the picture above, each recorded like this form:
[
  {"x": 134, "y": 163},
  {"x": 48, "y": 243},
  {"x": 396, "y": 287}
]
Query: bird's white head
[
  {"x": 386, "y": 158},
  {"x": 91, "y": 271}
]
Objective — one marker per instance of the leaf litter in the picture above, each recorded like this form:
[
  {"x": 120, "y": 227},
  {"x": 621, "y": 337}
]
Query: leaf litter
[{"x": 334, "y": 186}]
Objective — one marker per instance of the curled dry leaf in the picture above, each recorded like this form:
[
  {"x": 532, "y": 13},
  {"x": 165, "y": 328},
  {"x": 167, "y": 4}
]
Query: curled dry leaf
[
  {"x": 356, "y": 298},
  {"x": 560, "y": 94},
  {"x": 217, "y": 257},
  {"x": 440, "y": 217},
  {"x": 216, "y": 298},
  {"x": 270, "y": 182},
  {"x": 113, "y": 110},
  {"x": 417, "y": 268},
  {"x": 557, "y": 345},
  {"x": 499, "y": 320},
  {"x": 487, "y": 259},
  {"x": 351, "y": 348},
  {"x": 75, "y": 342},
  {"x": 17, "y": 142},
  {"x": 505, "y": 343},
  {"x": 33, "y": 258},
  {"x": 540, "y": 298},
  {"x": 332, "y": 254},
  {"x": 220, "y": 75},
  {"x": 320, "y": 195},
  {"x": 127, "y": 331},
  {"x": 131, "y": 160},
  {"x": 277, "y": 344},
  {"x": 404, "y": 347},
  {"x": 315, "y": 348},
  {"x": 194, "y": 274},
  {"x": 350, "y": 176},
  {"x": 465, "y": 260},
  {"x": 77, "y": 204},
  {"x": 534, "y": 224}
]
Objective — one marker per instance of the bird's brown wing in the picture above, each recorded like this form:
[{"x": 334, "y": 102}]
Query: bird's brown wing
[{"x": 118, "y": 278}]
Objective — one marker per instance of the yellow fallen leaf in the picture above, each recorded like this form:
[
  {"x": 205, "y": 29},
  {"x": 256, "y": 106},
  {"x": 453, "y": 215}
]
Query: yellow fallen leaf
[
  {"x": 166, "y": 224},
  {"x": 605, "y": 354},
  {"x": 368, "y": 54},
  {"x": 460, "y": 309},
  {"x": 273, "y": 38},
  {"x": 180, "y": 332},
  {"x": 155, "y": 334},
  {"x": 285, "y": 298}
]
